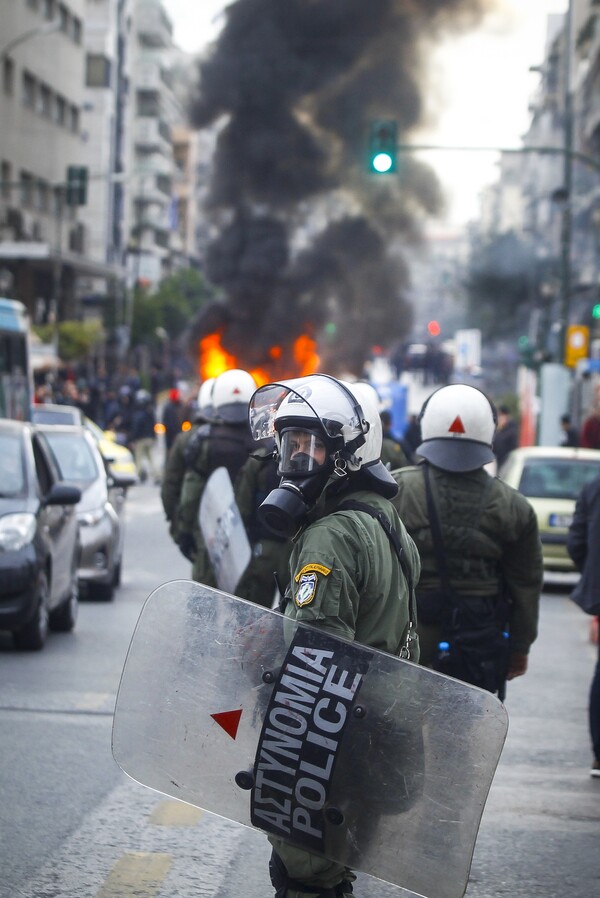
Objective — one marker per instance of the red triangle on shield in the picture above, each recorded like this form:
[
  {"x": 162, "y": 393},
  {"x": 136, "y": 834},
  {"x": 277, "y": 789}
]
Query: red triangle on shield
[
  {"x": 457, "y": 426},
  {"x": 229, "y": 721}
]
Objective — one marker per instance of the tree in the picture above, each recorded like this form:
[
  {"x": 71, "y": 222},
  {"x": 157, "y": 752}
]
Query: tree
[
  {"x": 76, "y": 339},
  {"x": 176, "y": 301}
]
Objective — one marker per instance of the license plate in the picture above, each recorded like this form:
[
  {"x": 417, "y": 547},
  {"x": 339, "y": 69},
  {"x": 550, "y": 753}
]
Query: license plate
[{"x": 560, "y": 520}]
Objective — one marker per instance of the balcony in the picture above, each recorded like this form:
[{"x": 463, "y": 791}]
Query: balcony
[
  {"x": 153, "y": 27},
  {"x": 152, "y": 133}
]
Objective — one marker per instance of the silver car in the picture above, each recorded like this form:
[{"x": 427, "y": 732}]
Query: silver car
[{"x": 100, "y": 511}]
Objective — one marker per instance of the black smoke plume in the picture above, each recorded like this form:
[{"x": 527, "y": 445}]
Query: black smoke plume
[{"x": 307, "y": 240}]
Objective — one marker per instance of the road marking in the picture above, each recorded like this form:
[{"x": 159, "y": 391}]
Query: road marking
[
  {"x": 175, "y": 813},
  {"x": 138, "y": 874}
]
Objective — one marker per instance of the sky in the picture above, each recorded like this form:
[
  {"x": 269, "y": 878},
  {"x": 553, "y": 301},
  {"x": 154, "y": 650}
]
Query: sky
[{"x": 478, "y": 94}]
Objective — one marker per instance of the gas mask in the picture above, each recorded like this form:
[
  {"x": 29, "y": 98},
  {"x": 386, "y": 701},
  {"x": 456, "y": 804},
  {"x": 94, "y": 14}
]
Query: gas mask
[{"x": 305, "y": 466}]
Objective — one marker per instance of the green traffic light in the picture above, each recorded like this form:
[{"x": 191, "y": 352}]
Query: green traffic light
[
  {"x": 596, "y": 310},
  {"x": 382, "y": 162},
  {"x": 383, "y": 144},
  {"x": 523, "y": 342}
]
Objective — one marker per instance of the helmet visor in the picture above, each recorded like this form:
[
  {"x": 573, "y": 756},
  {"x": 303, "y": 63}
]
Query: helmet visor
[
  {"x": 315, "y": 398},
  {"x": 302, "y": 452}
]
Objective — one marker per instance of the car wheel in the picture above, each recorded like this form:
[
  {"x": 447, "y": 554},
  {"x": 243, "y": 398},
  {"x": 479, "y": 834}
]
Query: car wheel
[
  {"x": 64, "y": 618},
  {"x": 33, "y": 635},
  {"x": 101, "y": 592},
  {"x": 117, "y": 575}
]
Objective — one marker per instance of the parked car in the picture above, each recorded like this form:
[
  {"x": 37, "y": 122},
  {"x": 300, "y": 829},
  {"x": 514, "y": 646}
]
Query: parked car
[
  {"x": 552, "y": 477},
  {"x": 119, "y": 459},
  {"x": 100, "y": 511},
  {"x": 39, "y": 539}
]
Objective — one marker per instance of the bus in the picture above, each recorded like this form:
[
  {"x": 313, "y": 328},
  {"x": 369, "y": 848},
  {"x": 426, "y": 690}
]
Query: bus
[{"x": 15, "y": 371}]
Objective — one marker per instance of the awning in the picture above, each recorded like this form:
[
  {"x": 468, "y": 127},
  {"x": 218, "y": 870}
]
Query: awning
[{"x": 40, "y": 252}]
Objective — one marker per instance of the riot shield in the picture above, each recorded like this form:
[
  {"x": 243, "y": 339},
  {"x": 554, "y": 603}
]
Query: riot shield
[
  {"x": 223, "y": 530},
  {"x": 344, "y": 750}
]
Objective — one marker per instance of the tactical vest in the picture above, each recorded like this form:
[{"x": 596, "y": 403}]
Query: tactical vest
[
  {"x": 472, "y": 549},
  {"x": 219, "y": 446}
]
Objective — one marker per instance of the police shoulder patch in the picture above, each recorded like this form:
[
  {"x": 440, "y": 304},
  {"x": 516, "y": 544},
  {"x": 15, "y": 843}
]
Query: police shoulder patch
[
  {"x": 308, "y": 568},
  {"x": 307, "y": 588}
]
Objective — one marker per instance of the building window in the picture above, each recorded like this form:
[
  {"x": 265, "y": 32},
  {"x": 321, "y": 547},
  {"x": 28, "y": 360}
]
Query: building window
[
  {"x": 42, "y": 196},
  {"x": 74, "y": 119},
  {"x": 77, "y": 30},
  {"x": 29, "y": 90},
  {"x": 97, "y": 70},
  {"x": 5, "y": 178},
  {"x": 8, "y": 75},
  {"x": 26, "y": 189},
  {"x": 63, "y": 15},
  {"x": 57, "y": 201},
  {"x": 45, "y": 100},
  {"x": 60, "y": 110}
]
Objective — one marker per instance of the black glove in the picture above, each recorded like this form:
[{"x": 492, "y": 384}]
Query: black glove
[{"x": 187, "y": 545}]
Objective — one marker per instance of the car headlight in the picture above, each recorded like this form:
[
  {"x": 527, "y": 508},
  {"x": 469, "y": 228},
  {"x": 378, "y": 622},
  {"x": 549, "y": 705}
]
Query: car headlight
[
  {"x": 90, "y": 518},
  {"x": 16, "y": 531}
]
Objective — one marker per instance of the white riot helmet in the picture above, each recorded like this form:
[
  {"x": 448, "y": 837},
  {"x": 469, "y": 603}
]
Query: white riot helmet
[
  {"x": 231, "y": 394},
  {"x": 458, "y": 423},
  {"x": 205, "y": 398},
  {"x": 324, "y": 430}
]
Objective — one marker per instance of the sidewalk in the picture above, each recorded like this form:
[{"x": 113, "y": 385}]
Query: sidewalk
[{"x": 540, "y": 829}]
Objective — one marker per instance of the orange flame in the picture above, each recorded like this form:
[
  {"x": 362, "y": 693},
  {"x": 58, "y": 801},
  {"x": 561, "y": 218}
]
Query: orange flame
[{"x": 299, "y": 360}]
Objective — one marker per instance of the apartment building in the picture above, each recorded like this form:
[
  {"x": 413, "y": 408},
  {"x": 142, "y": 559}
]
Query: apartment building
[
  {"x": 154, "y": 110},
  {"x": 43, "y": 239}
]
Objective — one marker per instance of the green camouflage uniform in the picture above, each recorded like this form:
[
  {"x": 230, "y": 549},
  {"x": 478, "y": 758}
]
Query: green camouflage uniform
[
  {"x": 491, "y": 543},
  {"x": 269, "y": 563},
  {"x": 346, "y": 579},
  {"x": 224, "y": 445},
  {"x": 170, "y": 491},
  {"x": 393, "y": 455}
]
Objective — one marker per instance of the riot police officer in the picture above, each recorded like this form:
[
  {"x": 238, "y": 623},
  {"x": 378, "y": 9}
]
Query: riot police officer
[
  {"x": 175, "y": 466},
  {"x": 266, "y": 576},
  {"x": 345, "y": 574},
  {"x": 478, "y": 539},
  {"x": 227, "y": 443}
]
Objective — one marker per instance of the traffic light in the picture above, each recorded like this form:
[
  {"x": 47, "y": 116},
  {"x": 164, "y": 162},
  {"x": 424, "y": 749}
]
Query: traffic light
[
  {"x": 596, "y": 311},
  {"x": 77, "y": 180},
  {"x": 434, "y": 328},
  {"x": 528, "y": 354},
  {"x": 383, "y": 145}
]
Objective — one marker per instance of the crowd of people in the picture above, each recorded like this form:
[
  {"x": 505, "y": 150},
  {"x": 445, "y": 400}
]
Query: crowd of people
[{"x": 404, "y": 544}]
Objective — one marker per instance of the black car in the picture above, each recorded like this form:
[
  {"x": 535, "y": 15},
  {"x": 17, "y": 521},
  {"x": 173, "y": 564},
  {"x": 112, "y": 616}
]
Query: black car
[{"x": 39, "y": 538}]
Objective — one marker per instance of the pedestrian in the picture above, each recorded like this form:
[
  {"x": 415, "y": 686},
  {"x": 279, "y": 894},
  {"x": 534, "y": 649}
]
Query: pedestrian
[
  {"x": 590, "y": 429},
  {"x": 142, "y": 436},
  {"x": 266, "y": 577},
  {"x": 172, "y": 418},
  {"x": 507, "y": 435},
  {"x": 412, "y": 435},
  {"x": 174, "y": 472},
  {"x": 583, "y": 540},
  {"x": 569, "y": 435},
  {"x": 345, "y": 575},
  {"x": 478, "y": 539},
  {"x": 225, "y": 443},
  {"x": 395, "y": 452}
]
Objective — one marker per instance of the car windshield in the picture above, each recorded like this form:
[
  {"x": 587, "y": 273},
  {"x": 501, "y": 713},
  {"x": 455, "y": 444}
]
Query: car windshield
[
  {"x": 545, "y": 478},
  {"x": 12, "y": 468},
  {"x": 74, "y": 456}
]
